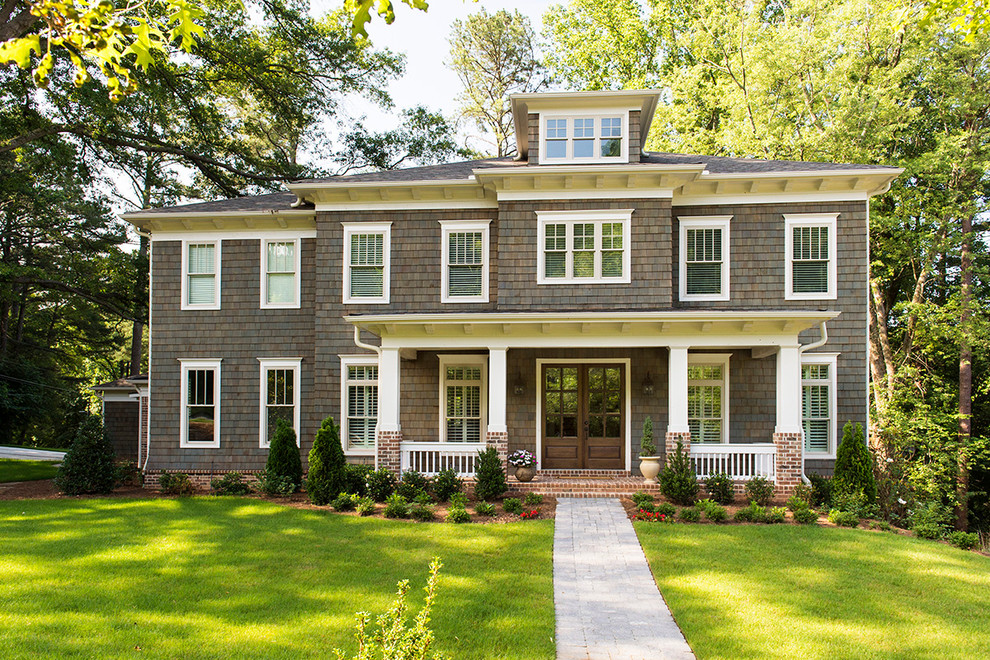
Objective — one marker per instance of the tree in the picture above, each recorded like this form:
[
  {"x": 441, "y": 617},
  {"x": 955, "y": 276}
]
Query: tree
[
  {"x": 89, "y": 465},
  {"x": 326, "y": 478},
  {"x": 489, "y": 475},
  {"x": 494, "y": 55},
  {"x": 854, "y": 465},
  {"x": 283, "y": 454},
  {"x": 361, "y": 12}
]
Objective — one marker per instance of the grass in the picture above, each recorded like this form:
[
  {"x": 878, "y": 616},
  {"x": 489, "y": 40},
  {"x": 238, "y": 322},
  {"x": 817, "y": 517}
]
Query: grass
[
  {"x": 814, "y": 592},
  {"x": 17, "y": 470},
  {"x": 232, "y": 577}
]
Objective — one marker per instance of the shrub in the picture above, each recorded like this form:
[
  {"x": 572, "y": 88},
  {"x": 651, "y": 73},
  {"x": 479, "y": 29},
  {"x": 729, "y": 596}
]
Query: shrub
[
  {"x": 714, "y": 512},
  {"x": 805, "y": 516},
  {"x": 127, "y": 473},
  {"x": 230, "y": 484},
  {"x": 854, "y": 464},
  {"x": 964, "y": 540},
  {"x": 678, "y": 480},
  {"x": 720, "y": 488},
  {"x": 843, "y": 518},
  {"x": 653, "y": 516},
  {"x": 533, "y": 499},
  {"x": 802, "y": 492},
  {"x": 931, "y": 520},
  {"x": 821, "y": 490},
  {"x": 422, "y": 512},
  {"x": 759, "y": 490},
  {"x": 175, "y": 483},
  {"x": 458, "y": 514},
  {"x": 89, "y": 464},
  {"x": 365, "y": 506},
  {"x": 345, "y": 502},
  {"x": 381, "y": 484},
  {"x": 647, "y": 506},
  {"x": 511, "y": 505},
  {"x": 396, "y": 506},
  {"x": 530, "y": 515},
  {"x": 412, "y": 484},
  {"x": 423, "y": 498},
  {"x": 484, "y": 509},
  {"x": 356, "y": 478},
  {"x": 283, "y": 455},
  {"x": 795, "y": 503},
  {"x": 489, "y": 475},
  {"x": 854, "y": 503},
  {"x": 775, "y": 515},
  {"x": 640, "y": 496},
  {"x": 445, "y": 484},
  {"x": 327, "y": 477},
  {"x": 646, "y": 446},
  {"x": 275, "y": 485},
  {"x": 459, "y": 499},
  {"x": 753, "y": 513},
  {"x": 691, "y": 514},
  {"x": 666, "y": 509}
]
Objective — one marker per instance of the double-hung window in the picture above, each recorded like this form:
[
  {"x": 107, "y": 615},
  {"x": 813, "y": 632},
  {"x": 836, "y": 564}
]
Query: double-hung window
[
  {"x": 463, "y": 392},
  {"x": 586, "y": 138},
  {"x": 708, "y": 392},
  {"x": 704, "y": 258},
  {"x": 810, "y": 269},
  {"x": 279, "y": 396},
  {"x": 818, "y": 403},
  {"x": 465, "y": 261},
  {"x": 359, "y": 403},
  {"x": 200, "y": 275},
  {"x": 583, "y": 247},
  {"x": 366, "y": 262},
  {"x": 199, "y": 392},
  {"x": 280, "y": 281}
]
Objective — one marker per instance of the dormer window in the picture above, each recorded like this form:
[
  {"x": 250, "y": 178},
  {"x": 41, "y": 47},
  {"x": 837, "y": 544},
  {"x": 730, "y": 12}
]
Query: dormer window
[{"x": 585, "y": 139}]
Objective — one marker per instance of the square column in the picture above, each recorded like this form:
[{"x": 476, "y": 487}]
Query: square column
[
  {"x": 788, "y": 435},
  {"x": 388, "y": 438},
  {"x": 677, "y": 401},
  {"x": 497, "y": 434}
]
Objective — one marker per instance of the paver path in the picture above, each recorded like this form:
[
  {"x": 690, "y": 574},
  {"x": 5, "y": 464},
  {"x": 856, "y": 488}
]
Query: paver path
[
  {"x": 28, "y": 454},
  {"x": 608, "y": 605}
]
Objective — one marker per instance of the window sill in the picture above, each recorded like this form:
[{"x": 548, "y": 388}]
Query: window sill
[{"x": 810, "y": 296}]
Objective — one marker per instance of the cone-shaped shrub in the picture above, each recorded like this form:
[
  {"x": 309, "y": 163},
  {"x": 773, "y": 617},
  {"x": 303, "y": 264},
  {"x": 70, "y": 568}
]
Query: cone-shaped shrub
[
  {"x": 679, "y": 481},
  {"x": 327, "y": 476},
  {"x": 283, "y": 454},
  {"x": 646, "y": 446},
  {"x": 89, "y": 465},
  {"x": 854, "y": 465},
  {"x": 489, "y": 475}
]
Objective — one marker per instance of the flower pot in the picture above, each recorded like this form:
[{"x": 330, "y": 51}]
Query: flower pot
[
  {"x": 650, "y": 467},
  {"x": 525, "y": 473}
]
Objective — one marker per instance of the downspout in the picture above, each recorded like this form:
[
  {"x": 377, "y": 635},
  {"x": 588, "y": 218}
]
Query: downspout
[
  {"x": 816, "y": 344},
  {"x": 147, "y": 421}
]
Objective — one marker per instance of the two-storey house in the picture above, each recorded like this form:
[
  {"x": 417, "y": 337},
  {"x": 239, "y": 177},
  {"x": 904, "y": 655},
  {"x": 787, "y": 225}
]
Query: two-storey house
[{"x": 549, "y": 302}]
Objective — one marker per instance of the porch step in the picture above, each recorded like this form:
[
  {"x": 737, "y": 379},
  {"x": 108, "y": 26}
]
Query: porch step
[{"x": 623, "y": 486}]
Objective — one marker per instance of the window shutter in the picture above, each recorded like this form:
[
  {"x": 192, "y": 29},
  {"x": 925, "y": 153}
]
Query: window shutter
[
  {"x": 703, "y": 257},
  {"x": 809, "y": 268},
  {"x": 201, "y": 288},
  {"x": 465, "y": 264},
  {"x": 815, "y": 402},
  {"x": 367, "y": 266}
]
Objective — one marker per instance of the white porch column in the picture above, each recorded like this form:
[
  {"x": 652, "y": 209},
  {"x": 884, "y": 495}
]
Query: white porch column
[
  {"x": 677, "y": 390},
  {"x": 497, "y": 386},
  {"x": 788, "y": 390},
  {"x": 388, "y": 390}
]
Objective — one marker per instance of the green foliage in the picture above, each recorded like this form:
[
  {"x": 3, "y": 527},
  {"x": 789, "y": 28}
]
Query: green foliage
[
  {"x": 446, "y": 483},
  {"x": 854, "y": 464},
  {"x": 484, "y": 509},
  {"x": 412, "y": 485},
  {"x": 275, "y": 485},
  {"x": 965, "y": 540},
  {"x": 855, "y": 503},
  {"x": 360, "y": 11},
  {"x": 720, "y": 488},
  {"x": 381, "y": 484},
  {"x": 127, "y": 473},
  {"x": 89, "y": 465},
  {"x": 714, "y": 512},
  {"x": 512, "y": 505},
  {"x": 843, "y": 518},
  {"x": 775, "y": 515},
  {"x": 489, "y": 475},
  {"x": 365, "y": 506},
  {"x": 642, "y": 497},
  {"x": 422, "y": 512},
  {"x": 231, "y": 483},
  {"x": 327, "y": 476},
  {"x": 647, "y": 506},
  {"x": 533, "y": 499},
  {"x": 666, "y": 509},
  {"x": 459, "y": 499},
  {"x": 759, "y": 490},
  {"x": 821, "y": 490},
  {"x": 345, "y": 502},
  {"x": 690, "y": 514},
  {"x": 175, "y": 483},
  {"x": 396, "y": 506},
  {"x": 931, "y": 520},
  {"x": 753, "y": 513},
  {"x": 805, "y": 516},
  {"x": 795, "y": 503},
  {"x": 283, "y": 455},
  {"x": 802, "y": 492},
  {"x": 356, "y": 478},
  {"x": 646, "y": 446},
  {"x": 678, "y": 481},
  {"x": 423, "y": 498},
  {"x": 458, "y": 514}
]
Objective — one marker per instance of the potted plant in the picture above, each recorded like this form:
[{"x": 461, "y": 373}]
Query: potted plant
[
  {"x": 649, "y": 462},
  {"x": 525, "y": 464}
]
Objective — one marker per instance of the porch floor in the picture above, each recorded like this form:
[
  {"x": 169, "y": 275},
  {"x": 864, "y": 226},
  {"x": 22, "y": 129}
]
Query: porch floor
[{"x": 581, "y": 486}]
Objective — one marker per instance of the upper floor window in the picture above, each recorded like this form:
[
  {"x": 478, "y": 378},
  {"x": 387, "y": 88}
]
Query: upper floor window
[
  {"x": 463, "y": 398},
  {"x": 359, "y": 403},
  {"x": 810, "y": 269},
  {"x": 583, "y": 246},
  {"x": 465, "y": 261},
  {"x": 280, "y": 281},
  {"x": 708, "y": 392},
  {"x": 818, "y": 403},
  {"x": 704, "y": 258},
  {"x": 366, "y": 262},
  {"x": 200, "y": 397},
  {"x": 201, "y": 275},
  {"x": 279, "y": 396},
  {"x": 585, "y": 138}
]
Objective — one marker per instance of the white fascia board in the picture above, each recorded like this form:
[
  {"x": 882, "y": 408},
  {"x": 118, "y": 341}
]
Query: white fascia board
[
  {"x": 229, "y": 235},
  {"x": 405, "y": 205},
  {"x": 692, "y": 340},
  {"x": 605, "y": 317},
  {"x": 590, "y": 168},
  {"x": 343, "y": 183},
  {"x": 209, "y": 215},
  {"x": 770, "y": 198},
  {"x": 805, "y": 174},
  {"x": 615, "y": 193}
]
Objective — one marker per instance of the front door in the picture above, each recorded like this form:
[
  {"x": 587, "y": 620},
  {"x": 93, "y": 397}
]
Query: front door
[{"x": 582, "y": 425}]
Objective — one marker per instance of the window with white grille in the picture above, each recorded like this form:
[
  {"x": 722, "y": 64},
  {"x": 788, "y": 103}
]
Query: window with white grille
[
  {"x": 818, "y": 404},
  {"x": 280, "y": 282},
  {"x": 464, "y": 398},
  {"x": 366, "y": 262},
  {"x": 359, "y": 392},
  {"x": 280, "y": 396},
  {"x": 708, "y": 385},
  {"x": 200, "y": 396},
  {"x": 704, "y": 258},
  {"x": 201, "y": 275},
  {"x": 590, "y": 247},
  {"x": 811, "y": 259},
  {"x": 594, "y": 137},
  {"x": 465, "y": 261}
]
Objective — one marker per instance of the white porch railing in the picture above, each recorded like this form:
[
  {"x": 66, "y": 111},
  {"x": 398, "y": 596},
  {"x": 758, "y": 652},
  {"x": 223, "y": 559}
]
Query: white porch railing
[
  {"x": 740, "y": 462},
  {"x": 429, "y": 458}
]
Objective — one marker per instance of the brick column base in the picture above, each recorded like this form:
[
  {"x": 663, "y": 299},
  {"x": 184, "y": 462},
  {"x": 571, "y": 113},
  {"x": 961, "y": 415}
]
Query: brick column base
[
  {"x": 500, "y": 441},
  {"x": 388, "y": 451},
  {"x": 789, "y": 466},
  {"x": 670, "y": 443}
]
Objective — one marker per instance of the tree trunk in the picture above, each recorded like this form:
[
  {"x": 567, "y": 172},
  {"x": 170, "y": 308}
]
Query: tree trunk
[{"x": 965, "y": 373}]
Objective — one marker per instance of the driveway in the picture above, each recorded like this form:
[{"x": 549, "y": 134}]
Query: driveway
[{"x": 27, "y": 454}]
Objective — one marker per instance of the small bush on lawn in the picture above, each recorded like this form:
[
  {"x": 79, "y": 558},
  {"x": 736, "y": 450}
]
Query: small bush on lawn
[
  {"x": 678, "y": 481},
  {"x": 381, "y": 484},
  {"x": 89, "y": 465},
  {"x": 412, "y": 485},
  {"x": 714, "y": 512},
  {"x": 458, "y": 514},
  {"x": 691, "y": 514},
  {"x": 422, "y": 512},
  {"x": 759, "y": 490},
  {"x": 964, "y": 540},
  {"x": 854, "y": 503},
  {"x": 775, "y": 515},
  {"x": 127, "y": 473},
  {"x": 854, "y": 464},
  {"x": 396, "y": 506},
  {"x": 931, "y": 520},
  {"x": 641, "y": 497},
  {"x": 647, "y": 506},
  {"x": 327, "y": 477},
  {"x": 720, "y": 488},
  {"x": 511, "y": 505},
  {"x": 283, "y": 455},
  {"x": 365, "y": 506},
  {"x": 175, "y": 483},
  {"x": 446, "y": 483},
  {"x": 231, "y": 483},
  {"x": 802, "y": 492},
  {"x": 805, "y": 516},
  {"x": 533, "y": 499},
  {"x": 484, "y": 509},
  {"x": 795, "y": 503},
  {"x": 489, "y": 475},
  {"x": 843, "y": 518},
  {"x": 459, "y": 499},
  {"x": 753, "y": 513},
  {"x": 424, "y": 499},
  {"x": 275, "y": 485},
  {"x": 667, "y": 509},
  {"x": 821, "y": 490},
  {"x": 356, "y": 478},
  {"x": 345, "y": 502}
]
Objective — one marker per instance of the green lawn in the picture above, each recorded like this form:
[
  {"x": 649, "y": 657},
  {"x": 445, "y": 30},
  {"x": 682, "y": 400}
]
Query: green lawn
[
  {"x": 811, "y": 592},
  {"x": 229, "y": 577},
  {"x": 15, "y": 470}
]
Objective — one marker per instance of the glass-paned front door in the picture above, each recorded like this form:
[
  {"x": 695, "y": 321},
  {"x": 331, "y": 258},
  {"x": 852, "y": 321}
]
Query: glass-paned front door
[{"x": 582, "y": 416}]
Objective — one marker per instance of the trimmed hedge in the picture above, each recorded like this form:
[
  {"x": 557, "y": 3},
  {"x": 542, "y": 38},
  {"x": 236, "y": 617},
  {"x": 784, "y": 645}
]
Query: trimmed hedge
[
  {"x": 283, "y": 455},
  {"x": 327, "y": 476}
]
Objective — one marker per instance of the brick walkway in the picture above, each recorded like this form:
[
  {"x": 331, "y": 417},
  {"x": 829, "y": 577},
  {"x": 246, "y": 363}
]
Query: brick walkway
[{"x": 608, "y": 605}]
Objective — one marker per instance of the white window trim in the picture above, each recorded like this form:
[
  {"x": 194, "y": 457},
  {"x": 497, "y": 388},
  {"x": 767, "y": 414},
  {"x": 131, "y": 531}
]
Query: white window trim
[
  {"x": 810, "y": 220},
  {"x": 185, "y": 366},
  {"x": 469, "y": 360},
  {"x": 704, "y": 222},
  {"x": 596, "y": 114},
  {"x": 354, "y": 361},
  {"x": 278, "y": 363},
  {"x": 831, "y": 359},
  {"x": 721, "y": 359},
  {"x": 455, "y": 226},
  {"x": 384, "y": 228},
  {"x": 544, "y": 218},
  {"x": 264, "y": 273},
  {"x": 183, "y": 302}
]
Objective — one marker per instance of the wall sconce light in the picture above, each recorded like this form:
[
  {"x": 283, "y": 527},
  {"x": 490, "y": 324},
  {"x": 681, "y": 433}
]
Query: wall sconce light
[
  {"x": 648, "y": 387},
  {"x": 518, "y": 386}
]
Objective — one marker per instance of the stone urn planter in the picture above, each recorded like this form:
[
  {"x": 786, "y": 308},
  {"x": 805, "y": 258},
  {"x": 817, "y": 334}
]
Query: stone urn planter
[
  {"x": 525, "y": 473},
  {"x": 650, "y": 467}
]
